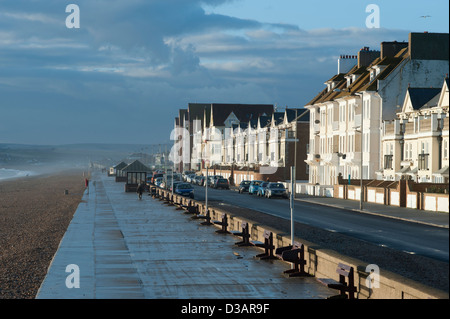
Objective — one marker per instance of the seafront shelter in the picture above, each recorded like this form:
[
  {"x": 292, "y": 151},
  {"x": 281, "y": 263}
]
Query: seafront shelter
[
  {"x": 135, "y": 173},
  {"x": 120, "y": 175}
]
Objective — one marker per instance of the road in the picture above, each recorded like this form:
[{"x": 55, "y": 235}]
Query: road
[{"x": 413, "y": 238}]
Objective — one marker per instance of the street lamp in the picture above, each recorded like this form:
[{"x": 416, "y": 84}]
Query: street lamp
[
  {"x": 206, "y": 178},
  {"x": 362, "y": 153},
  {"x": 295, "y": 145},
  {"x": 206, "y": 188}
]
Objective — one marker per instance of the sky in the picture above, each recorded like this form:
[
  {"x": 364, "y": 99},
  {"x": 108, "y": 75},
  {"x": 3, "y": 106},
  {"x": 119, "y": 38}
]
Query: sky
[{"x": 122, "y": 76}]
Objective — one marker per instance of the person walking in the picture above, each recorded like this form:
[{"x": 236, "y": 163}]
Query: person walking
[{"x": 140, "y": 189}]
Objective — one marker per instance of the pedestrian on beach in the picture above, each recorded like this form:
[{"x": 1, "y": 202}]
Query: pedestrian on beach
[{"x": 140, "y": 189}]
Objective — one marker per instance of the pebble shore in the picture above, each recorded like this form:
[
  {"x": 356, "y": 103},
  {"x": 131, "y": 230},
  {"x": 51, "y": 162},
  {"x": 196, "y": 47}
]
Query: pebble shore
[{"x": 34, "y": 215}]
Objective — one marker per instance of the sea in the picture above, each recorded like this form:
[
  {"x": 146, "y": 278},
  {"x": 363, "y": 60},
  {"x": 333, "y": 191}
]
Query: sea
[{"x": 9, "y": 173}]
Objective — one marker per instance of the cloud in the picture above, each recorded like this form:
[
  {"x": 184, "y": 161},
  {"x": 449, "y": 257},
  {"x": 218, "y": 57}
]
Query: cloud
[{"x": 135, "y": 63}]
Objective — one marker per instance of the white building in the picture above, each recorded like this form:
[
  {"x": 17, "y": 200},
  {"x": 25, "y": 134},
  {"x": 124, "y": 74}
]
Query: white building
[
  {"x": 371, "y": 92},
  {"x": 415, "y": 145}
]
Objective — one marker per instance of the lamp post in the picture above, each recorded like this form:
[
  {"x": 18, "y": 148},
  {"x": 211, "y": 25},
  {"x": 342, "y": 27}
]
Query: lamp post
[
  {"x": 206, "y": 188},
  {"x": 295, "y": 145},
  {"x": 206, "y": 178},
  {"x": 362, "y": 153},
  {"x": 292, "y": 203}
]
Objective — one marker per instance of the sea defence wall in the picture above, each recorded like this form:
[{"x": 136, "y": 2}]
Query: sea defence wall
[{"x": 320, "y": 261}]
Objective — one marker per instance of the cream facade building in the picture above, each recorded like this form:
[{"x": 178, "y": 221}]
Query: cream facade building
[
  {"x": 347, "y": 117},
  {"x": 416, "y": 145}
]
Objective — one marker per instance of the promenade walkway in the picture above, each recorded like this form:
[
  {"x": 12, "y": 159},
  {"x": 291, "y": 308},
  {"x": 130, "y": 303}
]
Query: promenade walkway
[{"x": 125, "y": 248}]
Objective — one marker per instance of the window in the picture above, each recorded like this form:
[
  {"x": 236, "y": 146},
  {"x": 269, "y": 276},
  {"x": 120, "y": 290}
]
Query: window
[
  {"x": 445, "y": 147},
  {"x": 351, "y": 140},
  {"x": 366, "y": 106},
  {"x": 341, "y": 113},
  {"x": 351, "y": 112},
  {"x": 388, "y": 161},
  {"x": 423, "y": 161},
  {"x": 423, "y": 156},
  {"x": 366, "y": 143}
]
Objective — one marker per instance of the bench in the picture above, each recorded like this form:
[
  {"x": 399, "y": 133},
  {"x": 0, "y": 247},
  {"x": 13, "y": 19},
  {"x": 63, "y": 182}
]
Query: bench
[
  {"x": 171, "y": 200},
  {"x": 346, "y": 284},
  {"x": 244, "y": 233},
  {"x": 206, "y": 217},
  {"x": 190, "y": 208},
  {"x": 166, "y": 197},
  {"x": 224, "y": 223},
  {"x": 267, "y": 245},
  {"x": 294, "y": 254},
  {"x": 179, "y": 204}
]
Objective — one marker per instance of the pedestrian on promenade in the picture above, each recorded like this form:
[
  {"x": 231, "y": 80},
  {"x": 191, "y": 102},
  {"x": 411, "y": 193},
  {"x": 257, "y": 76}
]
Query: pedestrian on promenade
[{"x": 140, "y": 189}]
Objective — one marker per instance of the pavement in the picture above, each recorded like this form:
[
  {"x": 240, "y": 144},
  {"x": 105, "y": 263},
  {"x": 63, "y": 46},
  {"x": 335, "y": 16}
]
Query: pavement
[
  {"x": 436, "y": 219},
  {"x": 120, "y": 247}
]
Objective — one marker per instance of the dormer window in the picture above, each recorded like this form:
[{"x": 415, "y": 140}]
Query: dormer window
[
  {"x": 376, "y": 70},
  {"x": 331, "y": 86}
]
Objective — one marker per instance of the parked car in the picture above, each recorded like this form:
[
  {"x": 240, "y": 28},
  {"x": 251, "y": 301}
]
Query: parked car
[
  {"x": 188, "y": 178},
  {"x": 158, "y": 181},
  {"x": 221, "y": 183},
  {"x": 155, "y": 176},
  {"x": 243, "y": 186},
  {"x": 186, "y": 174},
  {"x": 276, "y": 190},
  {"x": 254, "y": 186},
  {"x": 209, "y": 181},
  {"x": 200, "y": 180},
  {"x": 262, "y": 189},
  {"x": 184, "y": 189},
  {"x": 169, "y": 185}
]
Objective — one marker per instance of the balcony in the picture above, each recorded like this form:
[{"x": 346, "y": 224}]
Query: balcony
[
  {"x": 331, "y": 159},
  {"x": 312, "y": 159},
  {"x": 352, "y": 158},
  {"x": 407, "y": 163}
]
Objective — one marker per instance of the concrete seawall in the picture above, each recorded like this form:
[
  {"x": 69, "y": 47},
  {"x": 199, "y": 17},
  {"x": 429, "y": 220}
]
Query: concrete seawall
[{"x": 320, "y": 261}]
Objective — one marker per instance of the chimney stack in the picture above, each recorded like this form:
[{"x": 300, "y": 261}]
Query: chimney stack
[
  {"x": 367, "y": 56},
  {"x": 390, "y": 49},
  {"x": 429, "y": 46},
  {"x": 346, "y": 63}
]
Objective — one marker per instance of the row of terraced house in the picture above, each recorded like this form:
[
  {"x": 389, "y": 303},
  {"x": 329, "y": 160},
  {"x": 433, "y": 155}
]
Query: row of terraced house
[{"x": 381, "y": 122}]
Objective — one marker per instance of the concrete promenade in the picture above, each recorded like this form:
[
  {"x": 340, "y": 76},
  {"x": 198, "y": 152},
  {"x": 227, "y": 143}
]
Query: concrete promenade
[{"x": 120, "y": 247}]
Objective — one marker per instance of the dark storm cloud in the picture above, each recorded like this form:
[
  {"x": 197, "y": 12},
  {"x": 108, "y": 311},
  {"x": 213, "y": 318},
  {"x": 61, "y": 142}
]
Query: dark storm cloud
[{"x": 134, "y": 63}]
